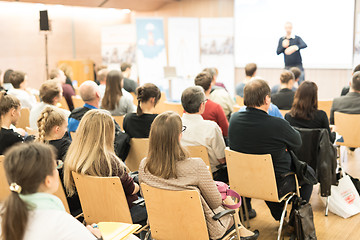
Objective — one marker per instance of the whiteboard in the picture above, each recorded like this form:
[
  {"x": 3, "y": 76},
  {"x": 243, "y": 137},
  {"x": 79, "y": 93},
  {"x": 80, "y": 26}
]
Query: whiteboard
[{"x": 326, "y": 26}]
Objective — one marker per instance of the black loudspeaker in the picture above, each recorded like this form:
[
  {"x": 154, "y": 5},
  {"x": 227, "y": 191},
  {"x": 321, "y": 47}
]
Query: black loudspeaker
[{"x": 44, "y": 21}]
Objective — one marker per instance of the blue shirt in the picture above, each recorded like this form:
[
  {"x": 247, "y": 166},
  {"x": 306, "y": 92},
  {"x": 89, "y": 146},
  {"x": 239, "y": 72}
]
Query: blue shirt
[
  {"x": 76, "y": 116},
  {"x": 273, "y": 111}
]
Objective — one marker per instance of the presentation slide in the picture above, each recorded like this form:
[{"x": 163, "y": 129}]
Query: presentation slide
[{"x": 326, "y": 26}]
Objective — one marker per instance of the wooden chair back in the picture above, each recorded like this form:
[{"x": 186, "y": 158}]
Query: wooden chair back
[
  {"x": 135, "y": 101},
  {"x": 183, "y": 218},
  {"x": 283, "y": 112},
  {"x": 236, "y": 108},
  {"x": 169, "y": 106},
  {"x": 139, "y": 148},
  {"x": 60, "y": 193},
  {"x": 24, "y": 120},
  {"x": 119, "y": 120},
  {"x": 347, "y": 125},
  {"x": 199, "y": 152},
  {"x": 78, "y": 102},
  {"x": 31, "y": 131},
  {"x": 63, "y": 104},
  {"x": 4, "y": 186},
  {"x": 102, "y": 199},
  {"x": 73, "y": 135},
  {"x": 325, "y": 106},
  {"x": 252, "y": 175},
  {"x": 239, "y": 100}
]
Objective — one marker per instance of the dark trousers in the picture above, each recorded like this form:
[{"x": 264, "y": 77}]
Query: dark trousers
[
  {"x": 138, "y": 214},
  {"x": 286, "y": 185},
  {"x": 302, "y": 76}
]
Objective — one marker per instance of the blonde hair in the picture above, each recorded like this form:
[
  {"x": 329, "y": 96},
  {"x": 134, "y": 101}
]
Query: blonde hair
[
  {"x": 164, "y": 145},
  {"x": 49, "y": 118},
  {"x": 7, "y": 102},
  {"x": 92, "y": 150},
  {"x": 67, "y": 69}
]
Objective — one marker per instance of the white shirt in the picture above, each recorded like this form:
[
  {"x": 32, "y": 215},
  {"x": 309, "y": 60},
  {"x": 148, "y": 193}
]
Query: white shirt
[
  {"x": 222, "y": 97},
  {"x": 36, "y": 111},
  {"x": 27, "y": 100},
  {"x": 205, "y": 133}
]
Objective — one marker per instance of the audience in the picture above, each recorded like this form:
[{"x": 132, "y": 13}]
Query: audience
[
  {"x": 213, "y": 111},
  {"x": 6, "y": 79},
  {"x": 138, "y": 124},
  {"x": 198, "y": 131},
  {"x": 67, "y": 70},
  {"x": 32, "y": 211},
  {"x": 68, "y": 91},
  {"x": 350, "y": 102},
  {"x": 255, "y": 132},
  {"x": 284, "y": 98},
  {"x": 304, "y": 112},
  {"x": 250, "y": 72},
  {"x": 129, "y": 85},
  {"x": 101, "y": 77},
  {"x": 92, "y": 153},
  {"x": 168, "y": 166},
  {"x": 346, "y": 89},
  {"x": 50, "y": 94},
  {"x": 19, "y": 82},
  {"x": 114, "y": 100},
  {"x": 297, "y": 72}
]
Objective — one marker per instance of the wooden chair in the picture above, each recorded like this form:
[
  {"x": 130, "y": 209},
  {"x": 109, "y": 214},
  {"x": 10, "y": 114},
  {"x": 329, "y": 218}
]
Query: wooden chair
[
  {"x": 24, "y": 118},
  {"x": 119, "y": 120},
  {"x": 325, "y": 106},
  {"x": 347, "y": 125},
  {"x": 239, "y": 100},
  {"x": 176, "y": 215},
  {"x": 63, "y": 104},
  {"x": 246, "y": 179},
  {"x": 283, "y": 112},
  {"x": 4, "y": 186},
  {"x": 78, "y": 102},
  {"x": 31, "y": 131},
  {"x": 169, "y": 106},
  {"x": 199, "y": 152},
  {"x": 236, "y": 108},
  {"x": 139, "y": 148},
  {"x": 73, "y": 135},
  {"x": 135, "y": 101},
  {"x": 60, "y": 193}
]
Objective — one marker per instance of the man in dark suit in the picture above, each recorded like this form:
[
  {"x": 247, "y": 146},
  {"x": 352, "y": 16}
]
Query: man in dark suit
[
  {"x": 129, "y": 85},
  {"x": 350, "y": 103}
]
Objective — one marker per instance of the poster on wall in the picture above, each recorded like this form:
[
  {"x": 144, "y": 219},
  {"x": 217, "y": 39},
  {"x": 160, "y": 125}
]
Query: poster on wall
[
  {"x": 217, "y": 48},
  {"x": 151, "y": 51},
  {"x": 183, "y": 46}
]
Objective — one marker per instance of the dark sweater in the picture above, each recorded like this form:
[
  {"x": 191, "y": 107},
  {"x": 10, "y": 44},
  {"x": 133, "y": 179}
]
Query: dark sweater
[
  {"x": 138, "y": 126},
  {"x": 130, "y": 85},
  {"x": 295, "y": 58},
  {"x": 283, "y": 99},
  {"x": 319, "y": 120},
  {"x": 62, "y": 146},
  {"x": 255, "y": 132},
  {"x": 8, "y": 138}
]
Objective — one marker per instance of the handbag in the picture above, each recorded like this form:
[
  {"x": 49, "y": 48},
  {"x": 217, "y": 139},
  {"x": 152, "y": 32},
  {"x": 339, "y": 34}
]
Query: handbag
[
  {"x": 225, "y": 191},
  {"x": 304, "y": 173},
  {"x": 302, "y": 218}
]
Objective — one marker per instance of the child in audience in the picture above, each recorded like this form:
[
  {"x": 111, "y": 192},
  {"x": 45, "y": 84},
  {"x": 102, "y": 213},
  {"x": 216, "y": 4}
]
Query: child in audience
[
  {"x": 168, "y": 166},
  {"x": 19, "y": 81},
  {"x": 92, "y": 152},
  {"x": 31, "y": 211},
  {"x": 114, "y": 99},
  {"x": 138, "y": 124}
]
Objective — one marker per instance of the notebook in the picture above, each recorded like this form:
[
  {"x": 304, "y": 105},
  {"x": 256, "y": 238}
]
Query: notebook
[{"x": 117, "y": 230}]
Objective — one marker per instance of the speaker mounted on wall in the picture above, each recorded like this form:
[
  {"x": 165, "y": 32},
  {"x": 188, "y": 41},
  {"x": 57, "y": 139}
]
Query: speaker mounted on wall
[{"x": 44, "y": 21}]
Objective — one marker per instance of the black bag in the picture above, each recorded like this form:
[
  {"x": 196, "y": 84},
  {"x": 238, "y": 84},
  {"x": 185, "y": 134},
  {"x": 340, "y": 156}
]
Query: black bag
[
  {"x": 121, "y": 144},
  {"x": 302, "y": 218},
  {"x": 304, "y": 173}
]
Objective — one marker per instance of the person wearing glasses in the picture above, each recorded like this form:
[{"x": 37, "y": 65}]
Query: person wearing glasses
[{"x": 197, "y": 131}]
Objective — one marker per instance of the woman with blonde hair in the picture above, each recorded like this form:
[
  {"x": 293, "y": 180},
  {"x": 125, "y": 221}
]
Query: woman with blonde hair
[
  {"x": 168, "y": 166},
  {"x": 92, "y": 153},
  {"x": 114, "y": 100}
]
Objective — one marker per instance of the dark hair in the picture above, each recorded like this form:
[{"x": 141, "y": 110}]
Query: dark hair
[
  {"x": 296, "y": 71},
  {"x": 286, "y": 76},
  {"x": 203, "y": 80},
  {"x": 144, "y": 93},
  {"x": 113, "y": 91},
  {"x": 192, "y": 98},
  {"x": 250, "y": 69},
  {"x": 213, "y": 71},
  {"x": 7, "y": 74},
  {"x": 7, "y": 102},
  {"x": 27, "y": 165},
  {"x": 255, "y": 93},
  {"x": 49, "y": 90},
  {"x": 356, "y": 69},
  {"x": 125, "y": 66},
  {"x": 355, "y": 83},
  {"x": 305, "y": 101},
  {"x": 16, "y": 78}
]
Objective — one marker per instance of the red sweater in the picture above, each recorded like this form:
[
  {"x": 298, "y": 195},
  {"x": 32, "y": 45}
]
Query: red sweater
[{"x": 214, "y": 112}]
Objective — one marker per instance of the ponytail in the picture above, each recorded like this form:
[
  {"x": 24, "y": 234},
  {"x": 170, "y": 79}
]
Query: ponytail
[
  {"x": 7, "y": 102},
  {"x": 139, "y": 94},
  {"x": 144, "y": 93},
  {"x": 49, "y": 118}
]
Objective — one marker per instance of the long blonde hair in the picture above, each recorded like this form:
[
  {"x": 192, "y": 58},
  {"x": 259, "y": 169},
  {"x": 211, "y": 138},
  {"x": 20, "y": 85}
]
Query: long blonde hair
[
  {"x": 92, "y": 150},
  {"x": 49, "y": 118},
  {"x": 164, "y": 145}
]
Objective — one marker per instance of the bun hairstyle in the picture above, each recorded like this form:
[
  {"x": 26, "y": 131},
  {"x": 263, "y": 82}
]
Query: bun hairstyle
[
  {"x": 144, "y": 93},
  {"x": 7, "y": 102},
  {"x": 49, "y": 118}
]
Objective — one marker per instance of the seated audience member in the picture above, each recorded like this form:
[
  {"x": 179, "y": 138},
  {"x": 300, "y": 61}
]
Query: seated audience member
[
  {"x": 304, "y": 112},
  {"x": 255, "y": 132},
  {"x": 284, "y": 98},
  {"x": 20, "y": 90},
  {"x": 346, "y": 89},
  {"x": 68, "y": 91},
  {"x": 101, "y": 77},
  {"x": 6, "y": 80},
  {"x": 350, "y": 103},
  {"x": 67, "y": 70},
  {"x": 198, "y": 131},
  {"x": 168, "y": 166},
  {"x": 297, "y": 72},
  {"x": 97, "y": 158},
  {"x": 219, "y": 94},
  {"x": 138, "y": 124},
  {"x": 31, "y": 211},
  {"x": 50, "y": 95},
  {"x": 129, "y": 85},
  {"x": 213, "y": 111},
  {"x": 114, "y": 100},
  {"x": 250, "y": 72},
  {"x": 9, "y": 115}
]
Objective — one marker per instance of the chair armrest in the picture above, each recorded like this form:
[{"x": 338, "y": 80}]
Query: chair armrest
[
  {"x": 140, "y": 202},
  {"x": 223, "y": 213}
]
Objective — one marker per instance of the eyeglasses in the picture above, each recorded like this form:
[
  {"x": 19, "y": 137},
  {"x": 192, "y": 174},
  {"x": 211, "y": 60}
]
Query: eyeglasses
[
  {"x": 183, "y": 129},
  {"x": 59, "y": 164}
]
